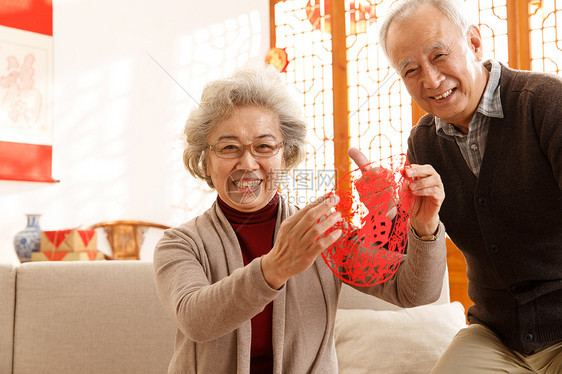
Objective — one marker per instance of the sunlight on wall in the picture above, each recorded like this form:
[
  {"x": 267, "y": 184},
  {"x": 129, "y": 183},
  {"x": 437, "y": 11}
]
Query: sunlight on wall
[
  {"x": 215, "y": 51},
  {"x": 94, "y": 133},
  {"x": 110, "y": 148},
  {"x": 201, "y": 56},
  {"x": 119, "y": 113}
]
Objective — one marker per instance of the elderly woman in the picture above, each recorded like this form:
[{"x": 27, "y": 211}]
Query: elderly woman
[{"x": 244, "y": 281}]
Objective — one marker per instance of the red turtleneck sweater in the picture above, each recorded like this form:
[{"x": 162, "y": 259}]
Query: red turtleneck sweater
[{"x": 255, "y": 235}]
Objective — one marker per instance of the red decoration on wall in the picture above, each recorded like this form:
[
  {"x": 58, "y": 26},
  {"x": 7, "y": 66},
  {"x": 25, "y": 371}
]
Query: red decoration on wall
[
  {"x": 278, "y": 58},
  {"x": 35, "y": 15},
  {"x": 375, "y": 207},
  {"x": 26, "y": 79},
  {"x": 25, "y": 162},
  {"x": 361, "y": 14}
]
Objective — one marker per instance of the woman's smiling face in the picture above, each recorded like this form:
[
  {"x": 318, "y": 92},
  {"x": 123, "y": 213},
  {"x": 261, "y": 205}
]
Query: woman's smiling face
[{"x": 246, "y": 183}]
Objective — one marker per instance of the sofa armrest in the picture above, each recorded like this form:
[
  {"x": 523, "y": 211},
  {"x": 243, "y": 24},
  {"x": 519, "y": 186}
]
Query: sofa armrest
[
  {"x": 90, "y": 317},
  {"x": 7, "y": 302}
]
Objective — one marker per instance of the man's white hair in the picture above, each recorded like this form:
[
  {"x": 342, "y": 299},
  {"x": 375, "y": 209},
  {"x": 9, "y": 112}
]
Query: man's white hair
[{"x": 454, "y": 10}]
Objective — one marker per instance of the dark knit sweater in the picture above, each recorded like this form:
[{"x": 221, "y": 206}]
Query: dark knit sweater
[{"x": 508, "y": 221}]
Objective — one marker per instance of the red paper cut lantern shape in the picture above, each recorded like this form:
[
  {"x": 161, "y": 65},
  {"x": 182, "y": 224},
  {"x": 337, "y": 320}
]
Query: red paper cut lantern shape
[{"x": 373, "y": 242}]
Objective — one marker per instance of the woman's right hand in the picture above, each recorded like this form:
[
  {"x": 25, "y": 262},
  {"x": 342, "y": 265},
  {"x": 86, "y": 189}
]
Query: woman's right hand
[{"x": 301, "y": 238}]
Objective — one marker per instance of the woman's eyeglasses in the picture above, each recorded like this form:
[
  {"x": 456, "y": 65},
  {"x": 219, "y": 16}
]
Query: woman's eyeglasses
[{"x": 231, "y": 149}]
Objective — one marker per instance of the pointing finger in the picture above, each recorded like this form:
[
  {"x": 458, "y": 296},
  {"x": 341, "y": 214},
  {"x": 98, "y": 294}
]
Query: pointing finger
[{"x": 359, "y": 158}]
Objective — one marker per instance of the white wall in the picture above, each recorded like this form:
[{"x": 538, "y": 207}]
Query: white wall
[{"x": 118, "y": 115}]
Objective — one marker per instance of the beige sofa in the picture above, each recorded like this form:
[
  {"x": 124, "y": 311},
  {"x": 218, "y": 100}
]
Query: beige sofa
[{"x": 104, "y": 317}]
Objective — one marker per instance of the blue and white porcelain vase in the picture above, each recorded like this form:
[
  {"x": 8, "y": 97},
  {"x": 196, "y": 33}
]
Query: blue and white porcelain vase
[{"x": 29, "y": 239}]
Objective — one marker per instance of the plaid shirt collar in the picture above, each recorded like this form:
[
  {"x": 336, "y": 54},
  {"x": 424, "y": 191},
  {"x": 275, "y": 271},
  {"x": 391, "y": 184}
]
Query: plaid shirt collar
[{"x": 490, "y": 104}]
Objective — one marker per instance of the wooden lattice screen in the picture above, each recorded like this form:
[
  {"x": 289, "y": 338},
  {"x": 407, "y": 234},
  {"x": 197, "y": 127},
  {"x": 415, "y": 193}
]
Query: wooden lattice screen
[{"x": 350, "y": 95}]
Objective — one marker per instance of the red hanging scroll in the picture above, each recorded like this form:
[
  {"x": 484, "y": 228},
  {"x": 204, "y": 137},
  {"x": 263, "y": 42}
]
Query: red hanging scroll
[{"x": 26, "y": 90}]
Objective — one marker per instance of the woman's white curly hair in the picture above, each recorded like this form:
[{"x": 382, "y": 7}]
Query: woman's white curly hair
[{"x": 257, "y": 85}]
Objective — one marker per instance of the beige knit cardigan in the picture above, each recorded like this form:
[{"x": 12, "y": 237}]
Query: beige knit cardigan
[{"x": 211, "y": 295}]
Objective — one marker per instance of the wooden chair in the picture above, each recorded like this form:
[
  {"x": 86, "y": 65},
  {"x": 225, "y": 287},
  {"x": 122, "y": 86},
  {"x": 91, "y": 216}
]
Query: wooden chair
[{"x": 126, "y": 237}]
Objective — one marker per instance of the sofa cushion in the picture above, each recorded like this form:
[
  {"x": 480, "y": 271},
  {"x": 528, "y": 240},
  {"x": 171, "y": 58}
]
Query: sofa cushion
[
  {"x": 7, "y": 302},
  {"x": 90, "y": 317},
  {"x": 398, "y": 341}
]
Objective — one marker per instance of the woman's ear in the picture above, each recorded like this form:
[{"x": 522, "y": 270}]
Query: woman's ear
[
  {"x": 475, "y": 42},
  {"x": 206, "y": 162}
]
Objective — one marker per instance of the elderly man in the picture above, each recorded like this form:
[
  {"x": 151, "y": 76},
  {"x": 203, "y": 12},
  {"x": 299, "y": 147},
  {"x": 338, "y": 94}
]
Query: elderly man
[{"x": 494, "y": 135}]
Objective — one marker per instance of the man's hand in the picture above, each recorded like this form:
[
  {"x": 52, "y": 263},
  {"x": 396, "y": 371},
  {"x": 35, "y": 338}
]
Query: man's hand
[
  {"x": 426, "y": 185},
  {"x": 359, "y": 158},
  {"x": 374, "y": 176},
  {"x": 428, "y": 188}
]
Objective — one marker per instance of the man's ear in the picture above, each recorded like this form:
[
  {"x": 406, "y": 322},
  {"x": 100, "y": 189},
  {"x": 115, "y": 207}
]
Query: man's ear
[{"x": 475, "y": 42}]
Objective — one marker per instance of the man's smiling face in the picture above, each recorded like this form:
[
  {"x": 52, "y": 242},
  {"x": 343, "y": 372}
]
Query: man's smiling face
[{"x": 440, "y": 66}]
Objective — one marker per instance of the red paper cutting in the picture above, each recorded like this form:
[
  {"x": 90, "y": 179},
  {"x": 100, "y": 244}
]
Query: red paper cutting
[{"x": 374, "y": 238}]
